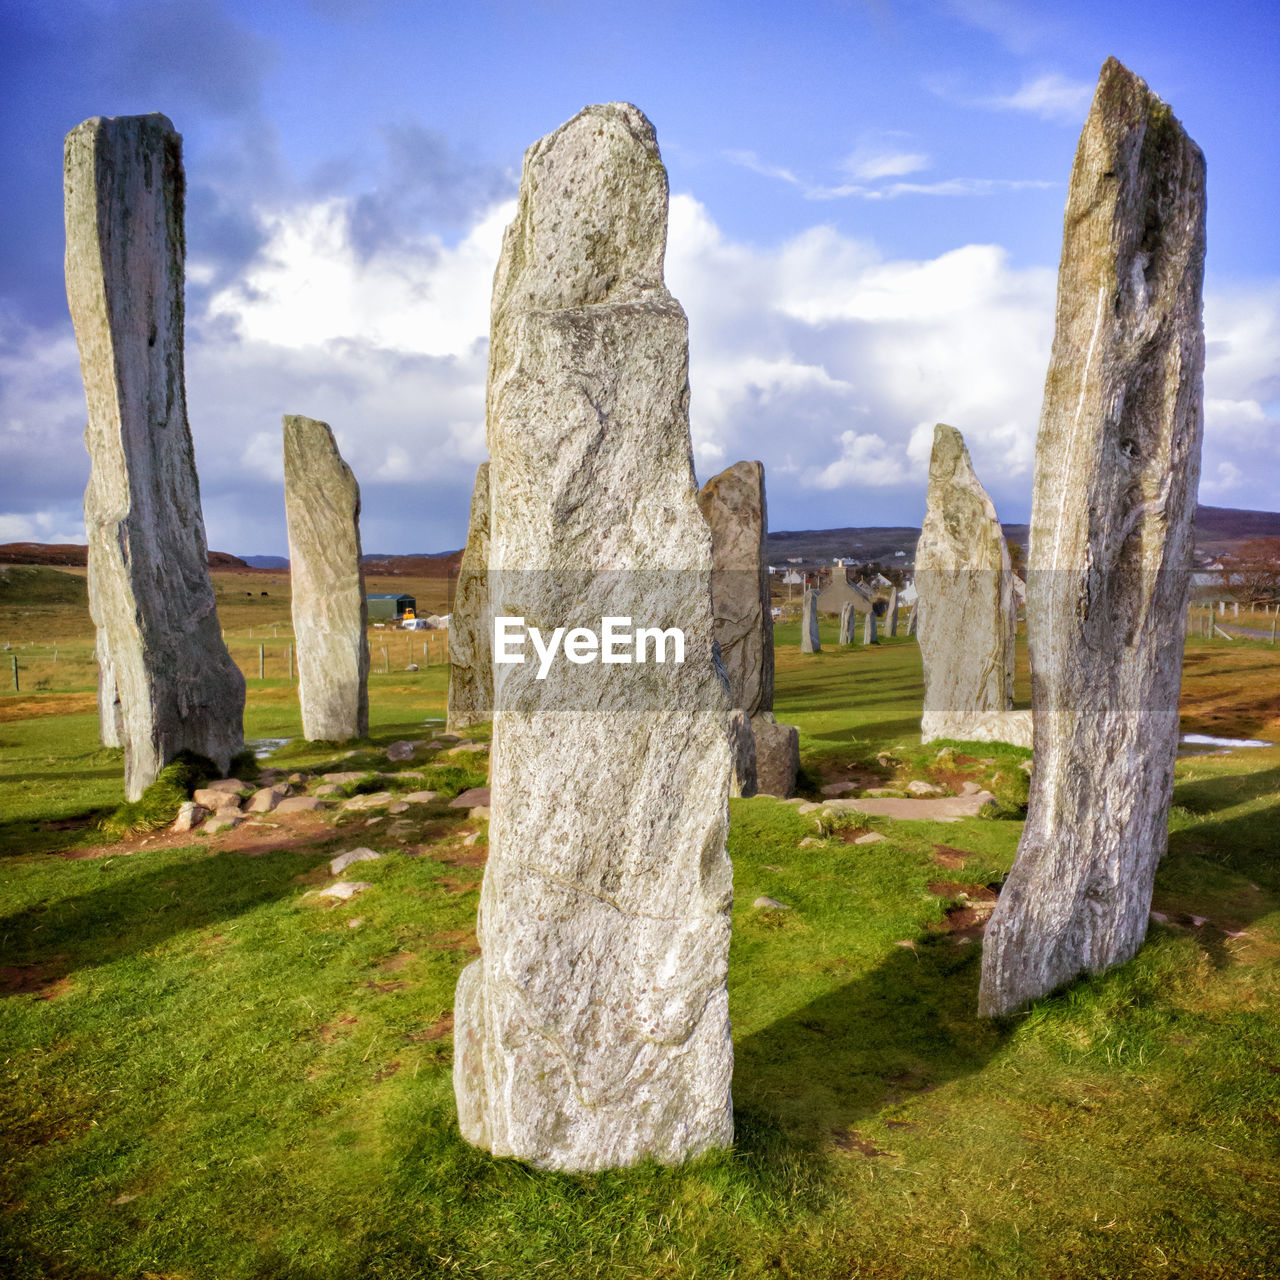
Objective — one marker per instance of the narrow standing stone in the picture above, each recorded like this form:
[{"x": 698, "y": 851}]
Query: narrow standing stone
[
  {"x": 913, "y": 616},
  {"x": 967, "y": 621},
  {"x": 846, "y": 622},
  {"x": 150, "y": 592},
  {"x": 810, "y": 642},
  {"x": 330, "y": 611},
  {"x": 593, "y": 1031},
  {"x": 734, "y": 507},
  {"x": 470, "y": 620},
  {"x": 1117, "y": 467},
  {"x": 869, "y": 628},
  {"x": 891, "y": 614}
]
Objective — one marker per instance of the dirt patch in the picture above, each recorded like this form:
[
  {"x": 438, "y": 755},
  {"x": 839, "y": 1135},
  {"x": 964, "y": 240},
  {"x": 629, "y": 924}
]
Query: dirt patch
[
  {"x": 386, "y": 1072},
  {"x": 401, "y": 960},
  {"x": 454, "y": 884},
  {"x": 950, "y": 859},
  {"x": 467, "y": 855},
  {"x": 456, "y": 940},
  {"x": 852, "y": 1142},
  {"x": 953, "y": 889},
  {"x": 45, "y": 981},
  {"x": 436, "y": 1031},
  {"x": 329, "y": 1032},
  {"x": 850, "y": 835}
]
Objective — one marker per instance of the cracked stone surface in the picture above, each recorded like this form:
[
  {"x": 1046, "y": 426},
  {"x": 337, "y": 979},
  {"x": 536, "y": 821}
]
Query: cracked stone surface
[
  {"x": 593, "y": 1031},
  {"x": 810, "y": 642},
  {"x": 1113, "y": 504},
  {"x": 169, "y": 684},
  {"x": 330, "y": 614}
]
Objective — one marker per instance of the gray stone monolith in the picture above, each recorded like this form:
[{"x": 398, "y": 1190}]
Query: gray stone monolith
[
  {"x": 869, "y": 628},
  {"x": 913, "y": 618},
  {"x": 810, "y": 641},
  {"x": 967, "y": 621},
  {"x": 891, "y": 614},
  {"x": 846, "y": 622},
  {"x": 110, "y": 710},
  {"x": 1117, "y": 468},
  {"x": 470, "y": 621},
  {"x": 150, "y": 593},
  {"x": 593, "y": 1031},
  {"x": 330, "y": 611}
]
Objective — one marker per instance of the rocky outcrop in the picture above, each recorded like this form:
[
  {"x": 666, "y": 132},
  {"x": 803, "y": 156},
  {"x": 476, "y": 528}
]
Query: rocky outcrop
[
  {"x": 593, "y": 1031},
  {"x": 149, "y": 588},
  {"x": 1117, "y": 467},
  {"x": 330, "y": 613},
  {"x": 471, "y": 622},
  {"x": 967, "y": 622}
]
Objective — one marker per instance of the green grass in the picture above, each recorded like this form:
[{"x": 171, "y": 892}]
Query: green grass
[{"x": 205, "y": 1073}]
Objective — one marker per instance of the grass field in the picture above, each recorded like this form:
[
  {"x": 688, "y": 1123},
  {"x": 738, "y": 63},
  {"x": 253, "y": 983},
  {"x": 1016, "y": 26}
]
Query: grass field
[{"x": 208, "y": 1075}]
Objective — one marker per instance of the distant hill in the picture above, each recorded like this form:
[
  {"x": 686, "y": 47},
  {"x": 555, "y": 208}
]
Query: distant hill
[
  {"x": 438, "y": 564},
  {"x": 1218, "y": 530},
  {"x": 69, "y": 553},
  {"x": 266, "y": 562}
]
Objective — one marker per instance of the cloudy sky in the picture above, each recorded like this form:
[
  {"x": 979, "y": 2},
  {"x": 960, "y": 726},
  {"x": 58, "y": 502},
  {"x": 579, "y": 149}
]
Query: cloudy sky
[{"x": 866, "y": 217}]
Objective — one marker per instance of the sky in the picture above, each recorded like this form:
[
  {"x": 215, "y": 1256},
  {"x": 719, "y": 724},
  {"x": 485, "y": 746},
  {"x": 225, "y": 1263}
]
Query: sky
[{"x": 865, "y": 223}]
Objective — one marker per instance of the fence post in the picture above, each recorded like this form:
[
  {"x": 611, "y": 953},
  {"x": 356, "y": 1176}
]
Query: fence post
[
  {"x": 15, "y": 673},
  {"x": 262, "y": 662}
]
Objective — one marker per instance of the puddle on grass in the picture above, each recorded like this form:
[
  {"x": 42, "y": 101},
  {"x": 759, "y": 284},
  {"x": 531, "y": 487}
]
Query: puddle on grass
[
  {"x": 1223, "y": 744},
  {"x": 264, "y": 747}
]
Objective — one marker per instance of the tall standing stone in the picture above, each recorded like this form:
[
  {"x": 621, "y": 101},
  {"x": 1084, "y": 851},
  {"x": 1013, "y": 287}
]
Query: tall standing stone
[
  {"x": 966, "y": 611},
  {"x": 1117, "y": 467},
  {"x": 869, "y": 635},
  {"x": 847, "y": 622},
  {"x": 913, "y": 615},
  {"x": 150, "y": 592},
  {"x": 593, "y": 1031},
  {"x": 470, "y": 620},
  {"x": 330, "y": 611},
  {"x": 810, "y": 641},
  {"x": 891, "y": 614}
]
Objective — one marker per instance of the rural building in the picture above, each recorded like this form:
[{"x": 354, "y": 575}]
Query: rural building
[{"x": 384, "y": 605}]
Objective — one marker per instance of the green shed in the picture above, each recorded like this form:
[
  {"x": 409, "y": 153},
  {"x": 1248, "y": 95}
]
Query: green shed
[{"x": 384, "y": 606}]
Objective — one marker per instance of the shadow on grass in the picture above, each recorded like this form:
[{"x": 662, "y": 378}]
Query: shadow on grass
[
  {"x": 907, "y": 1026},
  {"x": 1206, "y": 795},
  {"x": 131, "y": 913}
]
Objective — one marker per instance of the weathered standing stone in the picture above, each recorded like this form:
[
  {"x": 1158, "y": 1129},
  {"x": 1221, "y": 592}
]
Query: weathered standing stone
[
  {"x": 966, "y": 611},
  {"x": 891, "y": 614},
  {"x": 593, "y": 1031},
  {"x": 869, "y": 628},
  {"x": 734, "y": 507},
  {"x": 330, "y": 613},
  {"x": 149, "y": 589},
  {"x": 846, "y": 622},
  {"x": 471, "y": 621},
  {"x": 810, "y": 642},
  {"x": 733, "y": 504},
  {"x": 913, "y": 617},
  {"x": 1117, "y": 467},
  {"x": 777, "y": 755}
]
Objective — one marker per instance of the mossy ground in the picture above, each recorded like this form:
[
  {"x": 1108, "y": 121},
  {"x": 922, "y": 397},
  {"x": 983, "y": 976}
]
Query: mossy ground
[{"x": 207, "y": 1074}]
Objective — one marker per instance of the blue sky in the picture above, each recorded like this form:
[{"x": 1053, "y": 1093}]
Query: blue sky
[{"x": 865, "y": 227}]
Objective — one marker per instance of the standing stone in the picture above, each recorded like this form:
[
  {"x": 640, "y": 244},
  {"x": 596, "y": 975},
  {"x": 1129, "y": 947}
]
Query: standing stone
[
  {"x": 1117, "y": 467},
  {"x": 593, "y": 1032},
  {"x": 734, "y": 507},
  {"x": 330, "y": 612},
  {"x": 891, "y": 614},
  {"x": 846, "y": 622},
  {"x": 869, "y": 628},
  {"x": 471, "y": 622},
  {"x": 967, "y": 620},
  {"x": 913, "y": 618},
  {"x": 150, "y": 593},
  {"x": 810, "y": 642}
]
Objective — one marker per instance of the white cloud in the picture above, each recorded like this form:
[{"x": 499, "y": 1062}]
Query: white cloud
[
  {"x": 871, "y": 160},
  {"x": 1051, "y": 97}
]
